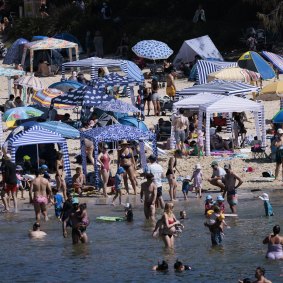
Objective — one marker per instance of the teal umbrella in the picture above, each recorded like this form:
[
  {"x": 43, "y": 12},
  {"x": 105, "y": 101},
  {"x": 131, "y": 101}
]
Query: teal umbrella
[{"x": 61, "y": 128}]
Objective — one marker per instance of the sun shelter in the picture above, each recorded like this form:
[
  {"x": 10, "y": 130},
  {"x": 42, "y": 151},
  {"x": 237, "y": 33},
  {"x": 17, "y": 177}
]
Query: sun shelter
[
  {"x": 37, "y": 135},
  {"x": 195, "y": 101},
  {"x": 115, "y": 133},
  {"x": 49, "y": 43},
  {"x": 219, "y": 87},
  {"x": 234, "y": 74},
  {"x": 230, "y": 104},
  {"x": 205, "y": 67},
  {"x": 202, "y": 46},
  {"x": 14, "y": 53},
  {"x": 275, "y": 59},
  {"x": 254, "y": 62}
]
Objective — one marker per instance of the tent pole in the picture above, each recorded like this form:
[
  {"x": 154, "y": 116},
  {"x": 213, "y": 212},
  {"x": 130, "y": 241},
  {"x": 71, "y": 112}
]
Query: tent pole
[{"x": 37, "y": 154}]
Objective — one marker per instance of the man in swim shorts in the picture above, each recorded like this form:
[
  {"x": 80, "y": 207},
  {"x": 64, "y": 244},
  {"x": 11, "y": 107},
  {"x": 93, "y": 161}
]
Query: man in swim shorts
[
  {"x": 231, "y": 188},
  {"x": 217, "y": 177},
  {"x": 149, "y": 191},
  {"x": 41, "y": 190},
  {"x": 156, "y": 169}
]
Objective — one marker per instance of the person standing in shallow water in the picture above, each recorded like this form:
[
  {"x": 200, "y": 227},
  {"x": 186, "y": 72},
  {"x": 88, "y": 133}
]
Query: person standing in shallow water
[{"x": 275, "y": 242}]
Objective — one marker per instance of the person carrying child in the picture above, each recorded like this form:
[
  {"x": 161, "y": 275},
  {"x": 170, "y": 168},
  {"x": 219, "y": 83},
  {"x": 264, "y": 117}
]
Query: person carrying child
[
  {"x": 118, "y": 185},
  {"x": 197, "y": 180},
  {"x": 186, "y": 186}
]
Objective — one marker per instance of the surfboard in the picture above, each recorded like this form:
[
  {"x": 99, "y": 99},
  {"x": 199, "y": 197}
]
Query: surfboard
[
  {"x": 230, "y": 215},
  {"x": 110, "y": 218}
]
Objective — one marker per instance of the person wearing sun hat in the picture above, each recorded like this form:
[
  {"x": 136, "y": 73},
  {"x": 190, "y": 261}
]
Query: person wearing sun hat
[
  {"x": 127, "y": 161},
  {"x": 231, "y": 188},
  {"x": 217, "y": 177},
  {"x": 208, "y": 204},
  {"x": 267, "y": 205},
  {"x": 197, "y": 178}
]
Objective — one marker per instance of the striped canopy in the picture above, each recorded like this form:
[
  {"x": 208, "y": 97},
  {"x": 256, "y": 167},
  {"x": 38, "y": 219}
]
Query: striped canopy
[
  {"x": 205, "y": 67},
  {"x": 38, "y": 135},
  {"x": 220, "y": 87},
  {"x": 30, "y": 81},
  {"x": 275, "y": 59},
  {"x": 117, "y": 106},
  {"x": 44, "y": 97},
  {"x": 63, "y": 129},
  {"x": 152, "y": 49},
  {"x": 94, "y": 63},
  {"x": 84, "y": 96}
]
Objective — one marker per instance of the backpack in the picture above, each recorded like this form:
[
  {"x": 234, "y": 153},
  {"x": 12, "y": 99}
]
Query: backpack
[{"x": 107, "y": 12}]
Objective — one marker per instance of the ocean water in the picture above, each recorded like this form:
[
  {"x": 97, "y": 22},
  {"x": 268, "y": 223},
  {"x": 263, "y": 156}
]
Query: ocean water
[{"x": 125, "y": 252}]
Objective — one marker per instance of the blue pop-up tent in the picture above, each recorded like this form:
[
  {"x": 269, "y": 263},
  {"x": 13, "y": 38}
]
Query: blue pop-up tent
[{"x": 254, "y": 62}]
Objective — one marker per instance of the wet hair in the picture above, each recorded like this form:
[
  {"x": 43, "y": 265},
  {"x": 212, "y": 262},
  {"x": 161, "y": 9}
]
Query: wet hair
[
  {"x": 276, "y": 229},
  {"x": 247, "y": 280},
  {"x": 183, "y": 214},
  {"x": 216, "y": 209},
  {"x": 149, "y": 176},
  {"x": 177, "y": 265},
  {"x": 35, "y": 226},
  {"x": 83, "y": 206},
  {"x": 163, "y": 266},
  {"x": 261, "y": 269}
]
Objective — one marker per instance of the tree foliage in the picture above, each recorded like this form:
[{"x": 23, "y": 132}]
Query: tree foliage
[{"x": 271, "y": 13}]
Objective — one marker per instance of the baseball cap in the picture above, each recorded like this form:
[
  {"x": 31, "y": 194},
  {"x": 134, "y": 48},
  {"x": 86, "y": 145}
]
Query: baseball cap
[
  {"x": 220, "y": 198},
  {"x": 19, "y": 168},
  {"x": 26, "y": 158},
  {"x": 44, "y": 167}
]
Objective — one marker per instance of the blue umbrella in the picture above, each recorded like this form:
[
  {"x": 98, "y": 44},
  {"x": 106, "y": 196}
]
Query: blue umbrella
[
  {"x": 152, "y": 49},
  {"x": 66, "y": 85},
  {"x": 134, "y": 122},
  {"x": 88, "y": 95},
  {"x": 63, "y": 129},
  {"x": 14, "y": 54},
  {"x": 278, "y": 117}
]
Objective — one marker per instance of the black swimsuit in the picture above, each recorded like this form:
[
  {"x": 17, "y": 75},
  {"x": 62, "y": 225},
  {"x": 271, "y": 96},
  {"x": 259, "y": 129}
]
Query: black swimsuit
[{"x": 169, "y": 171}]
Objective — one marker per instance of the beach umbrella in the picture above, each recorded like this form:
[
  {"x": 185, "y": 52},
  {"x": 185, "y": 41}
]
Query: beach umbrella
[
  {"x": 14, "y": 53},
  {"x": 88, "y": 95},
  {"x": 114, "y": 79},
  {"x": 65, "y": 86},
  {"x": 20, "y": 113},
  {"x": 9, "y": 73},
  {"x": 61, "y": 128},
  {"x": 43, "y": 98},
  {"x": 117, "y": 106},
  {"x": 278, "y": 117},
  {"x": 30, "y": 81},
  {"x": 234, "y": 74},
  {"x": 272, "y": 91},
  {"x": 152, "y": 49}
]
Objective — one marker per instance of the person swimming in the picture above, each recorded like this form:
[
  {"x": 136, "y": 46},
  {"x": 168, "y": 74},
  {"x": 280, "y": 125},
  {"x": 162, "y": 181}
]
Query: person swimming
[
  {"x": 179, "y": 266},
  {"x": 163, "y": 266},
  {"x": 36, "y": 233}
]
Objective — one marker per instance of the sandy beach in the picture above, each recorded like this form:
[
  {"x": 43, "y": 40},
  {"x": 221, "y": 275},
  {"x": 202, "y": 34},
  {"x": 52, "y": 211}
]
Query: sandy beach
[{"x": 186, "y": 164}]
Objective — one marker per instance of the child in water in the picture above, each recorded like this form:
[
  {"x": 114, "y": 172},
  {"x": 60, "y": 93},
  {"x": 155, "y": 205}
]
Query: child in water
[
  {"x": 197, "y": 178},
  {"x": 84, "y": 219},
  {"x": 220, "y": 203},
  {"x": 267, "y": 205},
  {"x": 186, "y": 186},
  {"x": 118, "y": 185},
  {"x": 129, "y": 212},
  {"x": 208, "y": 204},
  {"x": 58, "y": 203},
  {"x": 216, "y": 215}
]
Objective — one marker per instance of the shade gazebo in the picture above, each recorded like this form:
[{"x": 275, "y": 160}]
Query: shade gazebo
[
  {"x": 115, "y": 133},
  {"x": 230, "y": 104},
  {"x": 49, "y": 43}
]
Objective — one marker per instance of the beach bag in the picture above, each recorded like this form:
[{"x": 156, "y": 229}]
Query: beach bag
[
  {"x": 111, "y": 180},
  {"x": 267, "y": 174}
]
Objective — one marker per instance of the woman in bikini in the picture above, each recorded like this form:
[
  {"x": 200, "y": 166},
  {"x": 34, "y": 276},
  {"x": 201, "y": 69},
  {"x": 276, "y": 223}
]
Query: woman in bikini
[
  {"x": 169, "y": 222},
  {"x": 127, "y": 161},
  {"x": 60, "y": 182},
  {"x": 104, "y": 161},
  {"x": 170, "y": 174}
]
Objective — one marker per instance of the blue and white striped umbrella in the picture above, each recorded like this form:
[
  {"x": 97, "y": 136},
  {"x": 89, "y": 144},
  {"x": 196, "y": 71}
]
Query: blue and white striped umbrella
[
  {"x": 152, "y": 49},
  {"x": 118, "y": 106},
  {"x": 84, "y": 96},
  {"x": 63, "y": 129}
]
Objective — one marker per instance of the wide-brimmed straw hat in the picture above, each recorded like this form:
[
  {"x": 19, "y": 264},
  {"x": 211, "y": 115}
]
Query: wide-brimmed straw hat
[{"x": 124, "y": 142}]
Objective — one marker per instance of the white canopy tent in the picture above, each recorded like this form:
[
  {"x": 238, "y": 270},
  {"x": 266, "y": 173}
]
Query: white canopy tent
[
  {"x": 195, "y": 101},
  {"x": 232, "y": 104},
  {"x": 202, "y": 46}
]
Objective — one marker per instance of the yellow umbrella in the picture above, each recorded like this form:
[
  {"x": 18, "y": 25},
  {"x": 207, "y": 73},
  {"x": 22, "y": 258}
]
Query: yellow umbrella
[
  {"x": 274, "y": 88},
  {"x": 234, "y": 74}
]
